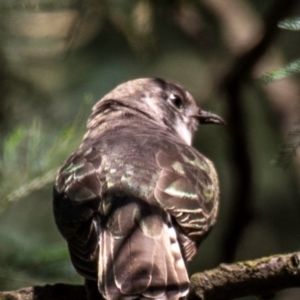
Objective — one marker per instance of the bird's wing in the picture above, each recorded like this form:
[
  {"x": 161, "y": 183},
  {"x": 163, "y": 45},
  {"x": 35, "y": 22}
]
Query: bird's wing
[
  {"x": 126, "y": 211},
  {"x": 188, "y": 190},
  {"x": 116, "y": 231},
  {"x": 76, "y": 199},
  {"x": 161, "y": 214}
]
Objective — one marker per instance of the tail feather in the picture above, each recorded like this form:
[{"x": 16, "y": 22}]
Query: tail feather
[{"x": 138, "y": 265}]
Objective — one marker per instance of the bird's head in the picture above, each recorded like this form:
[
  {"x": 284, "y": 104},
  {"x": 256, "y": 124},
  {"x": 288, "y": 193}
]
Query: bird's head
[{"x": 161, "y": 101}]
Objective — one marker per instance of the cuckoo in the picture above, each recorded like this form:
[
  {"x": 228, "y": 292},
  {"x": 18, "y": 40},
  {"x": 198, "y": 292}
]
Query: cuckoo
[{"x": 136, "y": 199}]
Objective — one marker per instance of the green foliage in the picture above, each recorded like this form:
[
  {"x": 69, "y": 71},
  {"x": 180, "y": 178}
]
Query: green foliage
[
  {"x": 288, "y": 70},
  {"x": 293, "y": 67},
  {"x": 31, "y": 157},
  {"x": 35, "y": 264},
  {"x": 29, "y": 161},
  {"x": 285, "y": 155}
]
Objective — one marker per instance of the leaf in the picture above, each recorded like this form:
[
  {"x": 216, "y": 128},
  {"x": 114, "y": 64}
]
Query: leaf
[
  {"x": 290, "y": 24},
  {"x": 290, "y": 69}
]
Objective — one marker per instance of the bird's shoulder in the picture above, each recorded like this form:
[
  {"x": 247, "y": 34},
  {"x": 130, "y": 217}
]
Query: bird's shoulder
[
  {"x": 78, "y": 178},
  {"x": 155, "y": 169},
  {"x": 139, "y": 162}
]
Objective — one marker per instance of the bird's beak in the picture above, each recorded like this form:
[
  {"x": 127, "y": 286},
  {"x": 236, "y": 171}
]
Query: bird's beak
[{"x": 206, "y": 117}]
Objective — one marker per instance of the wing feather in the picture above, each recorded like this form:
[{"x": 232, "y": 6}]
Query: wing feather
[
  {"x": 187, "y": 188},
  {"x": 133, "y": 230},
  {"x": 76, "y": 199}
]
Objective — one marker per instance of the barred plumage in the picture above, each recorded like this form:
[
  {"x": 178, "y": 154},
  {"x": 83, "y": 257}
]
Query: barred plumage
[{"x": 136, "y": 199}]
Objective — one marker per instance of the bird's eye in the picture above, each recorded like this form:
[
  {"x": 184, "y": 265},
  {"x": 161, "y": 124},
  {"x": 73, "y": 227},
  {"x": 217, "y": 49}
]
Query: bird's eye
[{"x": 176, "y": 100}]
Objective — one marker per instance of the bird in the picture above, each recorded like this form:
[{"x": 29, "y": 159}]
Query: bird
[{"x": 135, "y": 200}]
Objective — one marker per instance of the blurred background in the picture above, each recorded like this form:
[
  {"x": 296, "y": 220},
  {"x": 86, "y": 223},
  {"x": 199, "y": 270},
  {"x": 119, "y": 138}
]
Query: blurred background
[{"x": 58, "y": 57}]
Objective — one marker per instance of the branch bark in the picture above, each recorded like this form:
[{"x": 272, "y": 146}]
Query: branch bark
[
  {"x": 261, "y": 277},
  {"x": 264, "y": 276}
]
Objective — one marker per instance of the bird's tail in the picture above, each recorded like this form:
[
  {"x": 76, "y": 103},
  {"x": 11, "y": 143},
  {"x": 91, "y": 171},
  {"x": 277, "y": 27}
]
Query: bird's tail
[{"x": 141, "y": 258}]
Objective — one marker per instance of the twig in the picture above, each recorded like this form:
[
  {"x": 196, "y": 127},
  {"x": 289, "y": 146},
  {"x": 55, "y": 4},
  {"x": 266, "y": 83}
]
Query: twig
[{"x": 27, "y": 188}]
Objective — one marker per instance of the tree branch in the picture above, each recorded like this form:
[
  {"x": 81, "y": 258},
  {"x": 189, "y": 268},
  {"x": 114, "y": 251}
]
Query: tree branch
[{"x": 263, "y": 276}]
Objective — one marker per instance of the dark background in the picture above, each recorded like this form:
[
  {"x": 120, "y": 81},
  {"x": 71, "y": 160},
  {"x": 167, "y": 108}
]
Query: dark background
[{"x": 57, "y": 58}]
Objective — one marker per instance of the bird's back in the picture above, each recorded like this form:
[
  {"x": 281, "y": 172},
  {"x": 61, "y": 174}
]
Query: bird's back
[
  {"x": 135, "y": 197},
  {"x": 135, "y": 200}
]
